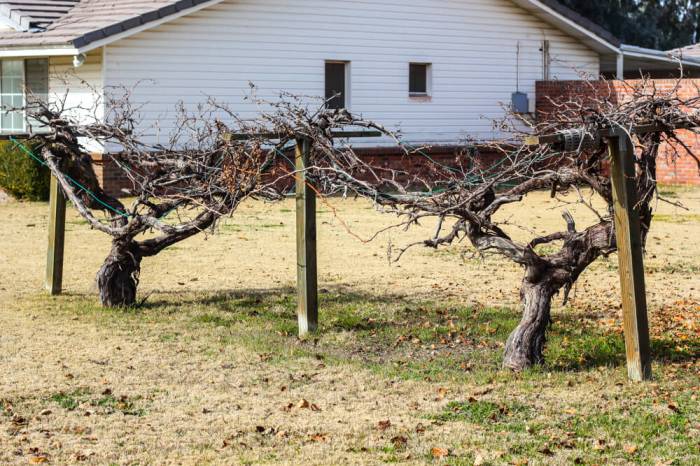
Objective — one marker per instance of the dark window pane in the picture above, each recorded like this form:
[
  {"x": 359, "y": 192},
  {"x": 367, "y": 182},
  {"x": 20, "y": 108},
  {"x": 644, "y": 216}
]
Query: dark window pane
[
  {"x": 335, "y": 85},
  {"x": 37, "y": 82},
  {"x": 418, "y": 78},
  {"x": 37, "y": 77}
]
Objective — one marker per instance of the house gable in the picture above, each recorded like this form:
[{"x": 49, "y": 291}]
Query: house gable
[
  {"x": 89, "y": 25},
  {"x": 480, "y": 52}
]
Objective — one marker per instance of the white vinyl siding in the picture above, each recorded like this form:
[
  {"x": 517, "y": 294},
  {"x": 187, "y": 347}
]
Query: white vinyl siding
[
  {"x": 284, "y": 45},
  {"x": 79, "y": 90}
]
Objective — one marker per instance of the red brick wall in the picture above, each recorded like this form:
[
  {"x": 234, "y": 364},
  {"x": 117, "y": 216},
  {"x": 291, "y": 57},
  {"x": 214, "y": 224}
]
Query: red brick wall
[
  {"x": 672, "y": 170},
  {"x": 114, "y": 182},
  {"x": 111, "y": 177}
]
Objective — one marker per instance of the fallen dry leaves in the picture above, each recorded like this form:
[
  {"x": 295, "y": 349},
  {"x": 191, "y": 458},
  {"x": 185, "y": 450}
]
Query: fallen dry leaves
[
  {"x": 400, "y": 442},
  {"x": 630, "y": 449},
  {"x": 439, "y": 453},
  {"x": 384, "y": 425},
  {"x": 301, "y": 404}
]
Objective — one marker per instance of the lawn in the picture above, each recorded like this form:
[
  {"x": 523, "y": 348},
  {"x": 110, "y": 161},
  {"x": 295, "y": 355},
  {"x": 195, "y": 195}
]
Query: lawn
[{"x": 405, "y": 368}]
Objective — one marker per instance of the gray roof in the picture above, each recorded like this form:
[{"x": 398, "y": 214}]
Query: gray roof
[
  {"x": 78, "y": 23},
  {"x": 91, "y": 20},
  {"x": 689, "y": 51},
  {"x": 30, "y": 14}
]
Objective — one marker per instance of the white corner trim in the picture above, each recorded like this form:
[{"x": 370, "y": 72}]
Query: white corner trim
[{"x": 147, "y": 26}]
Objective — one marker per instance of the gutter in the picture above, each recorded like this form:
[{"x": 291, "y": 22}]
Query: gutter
[
  {"x": 47, "y": 51},
  {"x": 658, "y": 55}
]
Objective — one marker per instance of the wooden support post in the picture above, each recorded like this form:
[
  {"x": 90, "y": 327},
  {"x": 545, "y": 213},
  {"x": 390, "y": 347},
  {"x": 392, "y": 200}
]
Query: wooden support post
[
  {"x": 630, "y": 253},
  {"x": 57, "y": 228},
  {"x": 307, "y": 282}
]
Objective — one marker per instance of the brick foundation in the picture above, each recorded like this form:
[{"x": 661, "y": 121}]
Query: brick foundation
[
  {"x": 680, "y": 170},
  {"x": 114, "y": 182}
]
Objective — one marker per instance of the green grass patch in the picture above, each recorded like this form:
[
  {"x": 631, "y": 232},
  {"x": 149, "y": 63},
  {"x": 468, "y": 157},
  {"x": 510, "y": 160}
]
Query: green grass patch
[
  {"x": 682, "y": 268},
  {"x": 485, "y": 413},
  {"x": 106, "y": 403},
  {"x": 679, "y": 218},
  {"x": 70, "y": 401}
]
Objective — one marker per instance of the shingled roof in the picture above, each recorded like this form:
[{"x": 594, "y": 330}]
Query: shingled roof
[
  {"x": 35, "y": 14},
  {"x": 88, "y": 21},
  {"x": 79, "y": 23},
  {"x": 689, "y": 51}
]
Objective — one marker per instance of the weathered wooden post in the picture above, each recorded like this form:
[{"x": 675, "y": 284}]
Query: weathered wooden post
[
  {"x": 57, "y": 228},
  {"x": 307, "y": 278},
  {"x": 629, "y": 241},
  {"x": 630, "y": 254},
  {"x": 307, "y": 269}
]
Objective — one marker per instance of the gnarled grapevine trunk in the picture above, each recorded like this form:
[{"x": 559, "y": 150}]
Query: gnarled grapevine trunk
[
  {"x": 118, "y": 277},
  {"x": 525, "y": 346}
]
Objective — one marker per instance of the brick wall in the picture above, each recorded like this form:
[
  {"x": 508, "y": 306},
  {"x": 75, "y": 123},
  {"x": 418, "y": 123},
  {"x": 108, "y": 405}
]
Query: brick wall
[
  {"x": 111, "y": 177},
  {"x": 671, "y": 170},
  {"x": 114, "y": 182}
]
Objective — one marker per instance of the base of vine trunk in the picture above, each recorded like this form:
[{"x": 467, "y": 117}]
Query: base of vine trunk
[{"x": 118, "y": 278}]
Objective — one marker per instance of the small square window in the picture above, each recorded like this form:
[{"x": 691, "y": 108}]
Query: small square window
[{"x": 419, "y": 79}]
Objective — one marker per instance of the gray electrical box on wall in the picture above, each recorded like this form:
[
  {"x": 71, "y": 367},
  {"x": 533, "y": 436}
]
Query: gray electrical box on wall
[{"x": 520, "y": 102}]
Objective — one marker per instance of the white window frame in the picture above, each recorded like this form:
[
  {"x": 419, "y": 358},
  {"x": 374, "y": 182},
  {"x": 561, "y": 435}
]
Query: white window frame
[
  {"x": 23, "y": 94},
  {"x": 26, "y": 124}
]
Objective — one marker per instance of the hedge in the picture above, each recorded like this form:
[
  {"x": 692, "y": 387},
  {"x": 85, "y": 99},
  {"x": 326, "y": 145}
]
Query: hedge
[{"x": 21, "y": 176}]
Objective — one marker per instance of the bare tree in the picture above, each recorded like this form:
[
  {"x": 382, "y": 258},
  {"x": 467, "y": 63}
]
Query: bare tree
[
  {"x": 184, "y": 187},
  {"x": 465, "y": 198}
]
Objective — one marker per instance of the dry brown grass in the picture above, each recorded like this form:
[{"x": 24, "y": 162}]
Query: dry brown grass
[{"x": 189, "y": 380}]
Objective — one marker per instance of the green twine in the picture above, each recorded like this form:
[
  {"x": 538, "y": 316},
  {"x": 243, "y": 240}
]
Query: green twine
[{"x": 31, "y": 154}]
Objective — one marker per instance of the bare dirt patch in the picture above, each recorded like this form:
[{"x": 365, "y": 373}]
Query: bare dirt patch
[{"x": 406, "y": 368}]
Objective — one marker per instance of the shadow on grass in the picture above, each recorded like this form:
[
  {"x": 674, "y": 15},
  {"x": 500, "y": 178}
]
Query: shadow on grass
[
  {"x": 341, "y": 310},
  {"x": 574, "y": 347},
  {"x": 396, "y": 334}
]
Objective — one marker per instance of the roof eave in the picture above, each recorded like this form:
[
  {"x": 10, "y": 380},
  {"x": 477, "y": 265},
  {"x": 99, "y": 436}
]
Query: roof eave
[
  {"x": 658, "y": 55},
  {"x": 57, "y": 50},
  {"x": 572, "y": 23},
  {"x": 112, "y": 33}
]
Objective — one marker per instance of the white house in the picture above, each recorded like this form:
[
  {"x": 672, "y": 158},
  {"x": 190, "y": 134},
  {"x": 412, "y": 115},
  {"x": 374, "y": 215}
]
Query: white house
[{"x": 437, "y": 69}]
